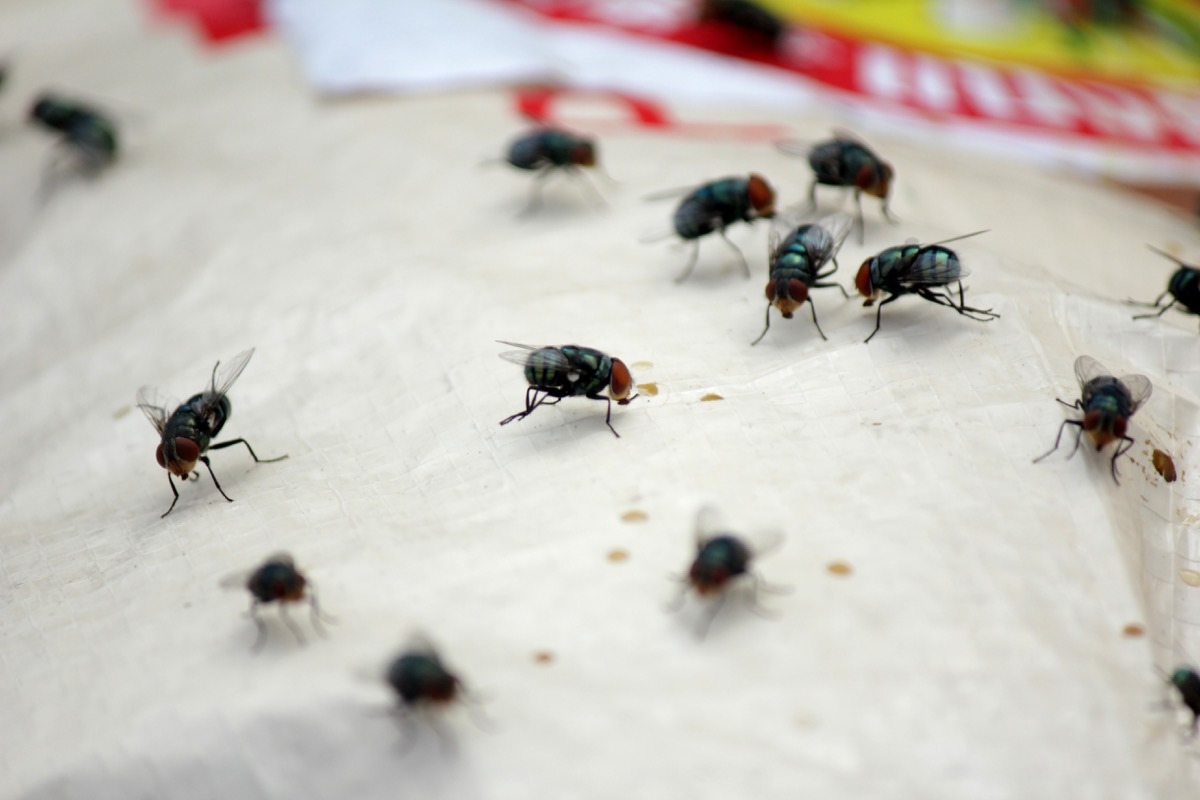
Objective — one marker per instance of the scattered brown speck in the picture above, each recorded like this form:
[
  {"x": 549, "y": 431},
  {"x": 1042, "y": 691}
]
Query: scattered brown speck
[
  {"x": 1164, "y": 465},
  {"x": 1133, "y": 630},
  {"x": 635, "y": 515},
  {"x": 1190, "y": 577},
  {"x": 711, "y": 396},
  {"x": 618, "y": 555},
  {"x": 642, "y": 364},
  {"x": 543, "y": 657},
  {"x": 122, "y": 411},
  {"x": 839, "y": 568},
  {"x": 648, "y": 388}
]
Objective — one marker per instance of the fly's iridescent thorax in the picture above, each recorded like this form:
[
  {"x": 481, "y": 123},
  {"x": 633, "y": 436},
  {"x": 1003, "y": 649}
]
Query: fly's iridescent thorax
[
  {"x": 1185, "y": 287},
  {"x": 418, "y": 677},
  {"x": 277, "y": 579},
  {"x": 720, "y": 559},
  {"x": 61, "y": 115},
  {"x": 939, "y": 264},
  {"x": 1108, "y": 395},
  {"x": 594, "y": 368},
  {"x": 876, "y": 272}
]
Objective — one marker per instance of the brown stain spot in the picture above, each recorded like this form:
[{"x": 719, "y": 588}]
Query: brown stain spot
[
  {"x": 1190, "y": 577},
  {"x": 122, "y": 411},
  {"x": 839, "y": 568},
  {"x": 1133, "y": 630},
  {"x": 543, "y": 657},
  {"x": 648, "y": 388},
  {"x": 635, "y": 515},
  {"x": 642, "y": 365},
  {"x": 618, "y": 555},
  {"x": 1164, "y": 465},
  {"x": 876, "y": 424},
  {"x": 710, "y": 397}
]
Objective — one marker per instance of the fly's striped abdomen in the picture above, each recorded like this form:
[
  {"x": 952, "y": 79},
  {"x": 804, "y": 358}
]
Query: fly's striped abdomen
[
  {"x": 934, "y": 266},
  {"x": 544, "y": 369}
]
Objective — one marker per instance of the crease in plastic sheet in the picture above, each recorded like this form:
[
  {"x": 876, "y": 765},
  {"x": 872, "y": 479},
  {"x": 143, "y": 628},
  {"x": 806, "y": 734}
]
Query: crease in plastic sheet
[{"x": 975, "y": 650}]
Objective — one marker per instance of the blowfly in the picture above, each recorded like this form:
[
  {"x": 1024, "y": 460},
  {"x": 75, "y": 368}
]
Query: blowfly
[
  {"x": 570, "y": 371},
  {"x": 277, "y": 580},
  {"x": 917, "y": 269},
  {"x": 546, "y": 150},
  {"x": 88, "y": 134},
  {"x": 1184, "y": 288},
  {"x": 1107, "y": 404},
  {"x": 187, "y": 432},
  {"x": 796, "y": 255}
]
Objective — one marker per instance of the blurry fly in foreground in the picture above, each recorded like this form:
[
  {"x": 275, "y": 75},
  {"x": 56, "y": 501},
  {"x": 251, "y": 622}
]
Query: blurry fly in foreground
[
  {"x": 1184, "y": 288},
  {"x": 917, "y": 269},
  {"x": 570, "y": 371},
  {"x": 1187, "y": 681},
  {"x": 424, "y": 686},
  {"x": 1107, "y": 404},
  {"x": 187, "y": 431},
  {"x": 796, "y": 256},
  {"x": 546, "y": 150},
  {"x": 714, "y": 206},
  {"x": 89, "y": 137},
  {"x": 277, "y": 580},
  {"x": 846, "y": 161},
  {"x": 721, "y": 559}
]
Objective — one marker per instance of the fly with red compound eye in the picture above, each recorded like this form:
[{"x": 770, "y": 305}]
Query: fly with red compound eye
[
  {"x": 570, "y": 371},
  {"x": 722, "y": 558},
  {"x": 277, "y": 580},
  {"x": 187, "y": 432},
  {"x": 547, "y": 150},
  {"x": 1107, "y": 404}
]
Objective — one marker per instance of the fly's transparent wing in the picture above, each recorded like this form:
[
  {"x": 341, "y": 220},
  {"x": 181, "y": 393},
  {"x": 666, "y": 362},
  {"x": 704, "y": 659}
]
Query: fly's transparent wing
[
  {"x": 783, "y": 224},
  {"x": 924, "y": 270},
  {"x": 709, "y": 524},
  {"x": 667, "y": 194},
  {"x": 838, "y": 227},
  {"x": 155, "y": 406},
  {"x": 237, "y": 580},
  {"x": 1139, "y": 388},
  {"x": 223, "y": 378},
  {"x": 1087, "y": 368},
  {"x": 794, "y": 147},
  {"x": 550, "y": 356}
]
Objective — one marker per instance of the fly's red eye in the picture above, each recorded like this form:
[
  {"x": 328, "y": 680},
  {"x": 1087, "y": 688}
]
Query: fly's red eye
[
  {"x": 798, "y": 290},
  {"x": 585, "y": 155},
  {"x": 188, "y": 450},
  {"x": 158, "y": 455},
  {"x": 867, "y": 177},
  {"x": 1119, "y": 425},
  {"x": 760, "y": 194},
  {"x": 771, "y": 289},
  {"x": 619, "y": 380},
  {"x": 1091, "y": 420},
  {"x": 863, "y": 280}
]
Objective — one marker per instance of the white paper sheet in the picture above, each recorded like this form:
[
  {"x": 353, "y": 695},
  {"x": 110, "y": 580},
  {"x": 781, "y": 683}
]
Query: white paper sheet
[{"x": 976, "y": 650}]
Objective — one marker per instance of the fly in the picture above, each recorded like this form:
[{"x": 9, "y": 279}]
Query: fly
[
  {"x": 569, "y": 371},
  {"x": 87, "y": 133},
  {"x": 1184, "y": 288},
  {"x": 714, "y": 206},
  {"x": 796, "y": 256},
  {"x": 546, "y": 150},
  {"x": 277, "y": 580},
  {"x": 917, "y": 269},
  {"x": 1107, "y": 404},
  {"x": 845, "y": 160},
  {"x": 187, "y": 432}
]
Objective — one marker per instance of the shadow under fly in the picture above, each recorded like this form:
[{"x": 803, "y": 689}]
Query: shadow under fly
[
  {"x": 277, "y": 580},
  {"x": 723, "y": 562}
]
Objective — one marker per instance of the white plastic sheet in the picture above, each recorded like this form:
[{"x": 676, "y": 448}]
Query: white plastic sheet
[{"x": 975, "y": 651}]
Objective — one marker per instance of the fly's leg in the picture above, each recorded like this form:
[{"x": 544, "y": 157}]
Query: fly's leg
[
  {"x": 253, "y": 455},
  {"x": 813, "y": 309},
  {"x": 535, "y": 192},
  {"x": 291, "y": 624},
  {"x": 1128, "y": 443},
  {"x": 713, "y": 609},
  {"x": 532, "y": 401},
  {"x": 1155, "y": 304},
  {"x": 879, "y": 316},
  {"x": 582, "y": 178},
  {"x": 1058, "y": 439},
  {"x": 887, "y": 212},
  {"x": 259, "y": 623},
  {"x": 812, "y": 196},
  {"x": 1161, "y": 311},
  {"x": 214, "y": 477},
  {"x": 837, "y": 286},
  {"x": 175, "y": 492},
  {"x": 858, "y": 216},
  {"x": 608, "y": 416},
  {"x": 766, "y": 327},
  {"x": 736, "y": 249},
  {"x": 195, "y": 476},
  {"x": 986, "y": 314},
  {"x": 691, "y": 265},
  {"x": 1077, "y": 404},
  {"x": 316, "y": 617}
]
